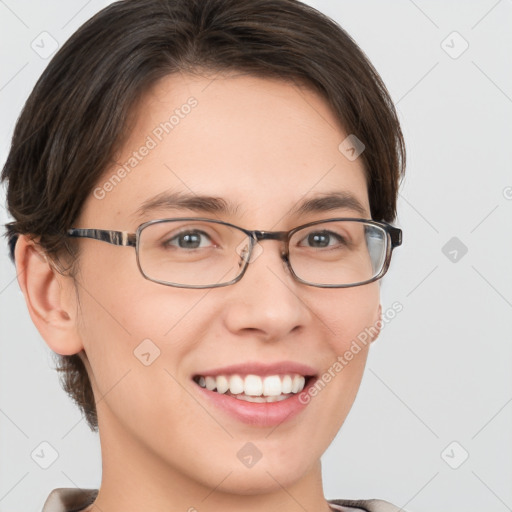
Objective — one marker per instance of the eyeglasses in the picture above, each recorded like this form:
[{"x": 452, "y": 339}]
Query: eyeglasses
[{"x": 204, "y": 253}]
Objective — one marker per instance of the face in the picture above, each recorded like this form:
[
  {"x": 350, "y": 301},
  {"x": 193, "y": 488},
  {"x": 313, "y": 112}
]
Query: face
[{"x": 265, "y": 146}]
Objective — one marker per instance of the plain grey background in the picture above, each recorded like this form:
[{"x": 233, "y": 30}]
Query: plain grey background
[{"x": 431, "y": 426}]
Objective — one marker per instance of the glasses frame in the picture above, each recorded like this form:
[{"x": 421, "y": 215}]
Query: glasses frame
[{"x": 127, "y": 239}]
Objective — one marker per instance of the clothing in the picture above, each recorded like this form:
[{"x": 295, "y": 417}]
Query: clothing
[
  {"x": 364, "y": 506},
  {"x": 69, "y": 499},
  {"x": 74, "y": 500}
]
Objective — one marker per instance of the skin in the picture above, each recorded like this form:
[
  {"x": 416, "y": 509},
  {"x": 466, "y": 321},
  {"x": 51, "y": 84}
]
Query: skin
[{"x": 267, "y": 145}]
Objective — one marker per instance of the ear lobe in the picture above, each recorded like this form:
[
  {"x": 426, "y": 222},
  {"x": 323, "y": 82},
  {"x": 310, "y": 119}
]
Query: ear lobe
[
  {"x": 377, "y": 325},
  {"x": 49, "y": 296}
]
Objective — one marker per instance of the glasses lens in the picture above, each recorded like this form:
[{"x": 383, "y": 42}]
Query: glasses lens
[
  {"x": 199, "y": 253},
  {"x": 338, "y": 252},
  {"x": 192, "y": 253}
]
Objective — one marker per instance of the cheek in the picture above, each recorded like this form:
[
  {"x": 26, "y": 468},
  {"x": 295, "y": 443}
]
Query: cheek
[
  {"x": 116, "y": 298},
  {"x": 350, "y": 314},
  {"x": 126, "y": 321},
  {"x": 136, "y": 338},
  {"x": 349, "y": 317}
]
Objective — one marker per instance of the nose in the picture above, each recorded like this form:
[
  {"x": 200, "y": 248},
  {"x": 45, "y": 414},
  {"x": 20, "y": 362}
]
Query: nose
[{"x": 267, "y": 301}]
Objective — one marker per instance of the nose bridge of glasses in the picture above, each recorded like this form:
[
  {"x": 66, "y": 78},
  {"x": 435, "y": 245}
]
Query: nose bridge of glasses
[
  {"x": 270, "y": 235},
  {"x": 256, "y": 236},
  {"x": 281, "y": 236}
]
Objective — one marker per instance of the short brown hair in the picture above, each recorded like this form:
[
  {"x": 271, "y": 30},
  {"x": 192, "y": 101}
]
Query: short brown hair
[{"x": 77, "y": 115}]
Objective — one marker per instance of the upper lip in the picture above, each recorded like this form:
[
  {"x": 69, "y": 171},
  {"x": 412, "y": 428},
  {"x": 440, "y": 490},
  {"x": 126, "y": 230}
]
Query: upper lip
[{"x": 255, "y": 368}]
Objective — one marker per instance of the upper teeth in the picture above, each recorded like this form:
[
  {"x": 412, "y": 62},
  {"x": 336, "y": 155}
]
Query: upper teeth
[{"x": 254, "y": 385}]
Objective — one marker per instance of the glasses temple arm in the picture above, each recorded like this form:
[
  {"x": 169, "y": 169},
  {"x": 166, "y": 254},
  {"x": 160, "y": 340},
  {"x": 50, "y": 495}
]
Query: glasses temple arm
[{"x": 112, "y": 237}]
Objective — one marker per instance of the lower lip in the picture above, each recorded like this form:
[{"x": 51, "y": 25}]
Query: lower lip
[{"x": 266, "y": 414}]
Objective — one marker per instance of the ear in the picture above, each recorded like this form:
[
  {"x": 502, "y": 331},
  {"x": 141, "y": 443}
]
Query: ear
[
  {"x": 377, "y": 324},
  {"x": 50, "y": 297}
]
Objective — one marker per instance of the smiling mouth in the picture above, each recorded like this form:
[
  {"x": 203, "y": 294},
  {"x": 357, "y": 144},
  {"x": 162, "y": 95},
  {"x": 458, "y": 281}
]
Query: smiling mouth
[{"x": 255, "y": 388}]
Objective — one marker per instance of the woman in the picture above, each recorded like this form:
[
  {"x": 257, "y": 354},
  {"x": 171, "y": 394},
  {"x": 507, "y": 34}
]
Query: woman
[{"x": 200, "y": 226}]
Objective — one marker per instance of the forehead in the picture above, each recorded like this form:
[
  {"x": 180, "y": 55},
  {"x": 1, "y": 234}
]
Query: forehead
[{"x": 263, "y": 145}]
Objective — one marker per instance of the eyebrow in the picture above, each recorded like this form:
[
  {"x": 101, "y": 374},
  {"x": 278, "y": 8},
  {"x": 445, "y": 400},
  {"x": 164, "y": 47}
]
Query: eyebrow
[
  {"x": 218, "y": 205},
  {"x": 328, "y": 202}
]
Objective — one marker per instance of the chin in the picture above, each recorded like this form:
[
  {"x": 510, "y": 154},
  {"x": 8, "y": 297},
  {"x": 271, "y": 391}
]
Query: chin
[{"x": 251, "y": 482}]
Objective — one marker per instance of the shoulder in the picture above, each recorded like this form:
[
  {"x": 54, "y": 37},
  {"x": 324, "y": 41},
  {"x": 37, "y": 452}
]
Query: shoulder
[
  {"x": 69, "y": 499},
  {"x": 365, "y": 506}
]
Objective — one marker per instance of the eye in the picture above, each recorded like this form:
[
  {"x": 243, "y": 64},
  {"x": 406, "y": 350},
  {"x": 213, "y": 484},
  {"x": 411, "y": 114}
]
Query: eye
[
  {"x": 190, "y": 239},
  {"x": 324, "y": 238}
]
